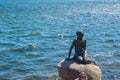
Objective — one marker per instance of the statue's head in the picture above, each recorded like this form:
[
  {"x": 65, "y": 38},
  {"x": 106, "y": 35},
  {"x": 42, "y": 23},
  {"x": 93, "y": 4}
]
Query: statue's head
[{"x": 79, "y": 34}]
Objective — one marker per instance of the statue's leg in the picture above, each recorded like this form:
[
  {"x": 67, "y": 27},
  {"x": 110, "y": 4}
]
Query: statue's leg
[
  {"x": 83, "y": 55},
  {"x": 74, "y": 57}
]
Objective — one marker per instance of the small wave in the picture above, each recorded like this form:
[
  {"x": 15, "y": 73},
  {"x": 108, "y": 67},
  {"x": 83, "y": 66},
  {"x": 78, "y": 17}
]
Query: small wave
[
  {"x": 116, "y": 45},
  {"x": 111, "y": 75},
  {"x": 103, "y": 55},
  {"x": 62, "y": 36},
  {"x": 28, "y": 34},
  {"x": 34, "y": 77},
  {"x": 32, "y": 55},
  {"x": 111, "y": 40},
  {"x": 5, "y": 67},
  {"x": 117, "y": 64},
  {"x": 4, "y": 78},
  {"x": 43, "y": 60},
  {"x": 112, "y": 46},
  {"x": 1, "y": 32},
  {"x": 29, "y": 47},
  {"x": 7, "y": 44},
  {"x": 107, "y": 34},
  {"x": 3, "y": 50},
  {"x": 38, "y": 77}
]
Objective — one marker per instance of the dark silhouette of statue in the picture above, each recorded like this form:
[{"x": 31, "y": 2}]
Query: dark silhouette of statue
[{"x": 80, "y": 46}]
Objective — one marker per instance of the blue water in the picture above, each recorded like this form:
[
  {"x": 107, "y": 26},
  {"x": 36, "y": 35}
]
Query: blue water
[{"x": 36, "y": 34}]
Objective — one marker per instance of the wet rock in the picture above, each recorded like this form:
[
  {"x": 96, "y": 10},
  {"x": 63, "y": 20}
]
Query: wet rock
[{"x": 71, "y": 70}]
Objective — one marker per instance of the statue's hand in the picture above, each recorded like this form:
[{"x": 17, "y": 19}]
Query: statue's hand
[
  {"x": 83, "y": 51},
  {"x": 68, "y": 58}
]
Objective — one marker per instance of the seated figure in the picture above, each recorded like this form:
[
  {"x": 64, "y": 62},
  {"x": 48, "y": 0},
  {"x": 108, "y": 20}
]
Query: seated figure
[{"x": 80, "y": 46}]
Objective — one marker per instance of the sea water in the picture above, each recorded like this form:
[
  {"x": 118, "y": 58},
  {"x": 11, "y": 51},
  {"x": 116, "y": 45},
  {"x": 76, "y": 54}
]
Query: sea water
[{"x": 36, "y": 34}]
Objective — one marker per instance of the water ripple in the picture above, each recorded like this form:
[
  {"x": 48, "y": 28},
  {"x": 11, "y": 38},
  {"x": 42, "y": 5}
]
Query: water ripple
[{"x": 34, "y": 38}]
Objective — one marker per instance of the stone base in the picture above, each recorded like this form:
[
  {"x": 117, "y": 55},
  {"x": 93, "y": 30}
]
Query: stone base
[{"x": 71, "y": 70}]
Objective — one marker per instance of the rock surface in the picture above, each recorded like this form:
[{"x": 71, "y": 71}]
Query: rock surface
[{"x": 70, "y": 70}]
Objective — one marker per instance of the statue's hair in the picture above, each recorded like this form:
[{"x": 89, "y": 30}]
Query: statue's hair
[{"x": 79, "y": 33}]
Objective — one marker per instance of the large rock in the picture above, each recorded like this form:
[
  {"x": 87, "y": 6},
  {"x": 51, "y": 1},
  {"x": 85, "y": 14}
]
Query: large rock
[{"x": 70, "y": 70}]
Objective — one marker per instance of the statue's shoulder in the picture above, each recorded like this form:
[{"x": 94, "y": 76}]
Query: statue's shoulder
[
  {"x": 75, "y": 39},
  {"x": 84, "y": 40}
]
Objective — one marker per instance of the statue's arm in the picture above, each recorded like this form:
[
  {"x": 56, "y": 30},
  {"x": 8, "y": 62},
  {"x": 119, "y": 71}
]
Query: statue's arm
[
  {"x": 85, "y": 45},
  {"x": 71, "y": 47}
]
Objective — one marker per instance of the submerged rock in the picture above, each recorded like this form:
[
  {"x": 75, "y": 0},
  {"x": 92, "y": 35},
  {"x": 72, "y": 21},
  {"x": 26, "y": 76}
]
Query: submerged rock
[{"x": 71, "y": 70}]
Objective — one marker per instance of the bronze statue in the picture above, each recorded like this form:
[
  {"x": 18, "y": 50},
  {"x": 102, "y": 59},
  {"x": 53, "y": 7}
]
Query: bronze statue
[{"x": 80, "y": 46}]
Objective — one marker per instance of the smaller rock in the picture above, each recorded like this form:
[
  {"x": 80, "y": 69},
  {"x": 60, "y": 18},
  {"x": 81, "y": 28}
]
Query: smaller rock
[{"x": 82, "y": 76}]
